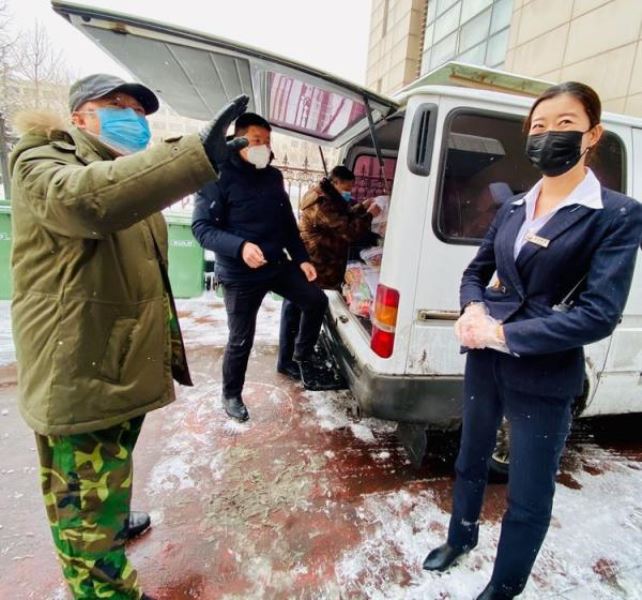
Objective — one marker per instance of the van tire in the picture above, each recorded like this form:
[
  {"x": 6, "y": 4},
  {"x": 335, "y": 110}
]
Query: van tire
[
  {"x": 497, "y": 469},
  {"x": 414, "y": 439},
  {"x": 499, "y": 460}
]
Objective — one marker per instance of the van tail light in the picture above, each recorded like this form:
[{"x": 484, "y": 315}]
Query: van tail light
[{"x": 384, "y": 321}]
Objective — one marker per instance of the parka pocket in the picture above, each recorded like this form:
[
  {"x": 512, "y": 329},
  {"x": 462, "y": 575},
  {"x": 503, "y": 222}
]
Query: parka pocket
[{"x": 117, "y": 349}]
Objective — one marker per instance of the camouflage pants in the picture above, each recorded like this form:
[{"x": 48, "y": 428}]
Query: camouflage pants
[{"x": 87, "y": 484}]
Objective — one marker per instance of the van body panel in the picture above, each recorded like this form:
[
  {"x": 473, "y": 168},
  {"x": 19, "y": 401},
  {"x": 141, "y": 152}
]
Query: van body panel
[
  {"x": 619, "y": 385},
  {"x": 427, "y": 269},
  {"x": 434, "y": 400}
]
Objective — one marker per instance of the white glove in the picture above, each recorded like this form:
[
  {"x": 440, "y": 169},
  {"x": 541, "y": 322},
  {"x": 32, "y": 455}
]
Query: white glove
[
  {"x": 476, "y": 329},
  {"x": 471, "y": 313}
]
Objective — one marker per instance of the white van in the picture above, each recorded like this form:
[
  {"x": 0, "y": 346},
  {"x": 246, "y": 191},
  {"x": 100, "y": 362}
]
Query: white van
[{"x": 448, "y": 148}]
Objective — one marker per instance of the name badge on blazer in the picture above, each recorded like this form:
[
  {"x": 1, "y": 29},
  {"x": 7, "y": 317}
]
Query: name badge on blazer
[{"x": 537, "y": 240}]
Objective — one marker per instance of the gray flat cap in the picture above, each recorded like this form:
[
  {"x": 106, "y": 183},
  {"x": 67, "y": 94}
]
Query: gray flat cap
[{"x": 99, "y": 85}]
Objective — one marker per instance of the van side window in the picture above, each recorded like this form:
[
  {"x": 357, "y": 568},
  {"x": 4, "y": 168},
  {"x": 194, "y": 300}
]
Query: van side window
[
  {"x": 368, "y": 182},
  {"x": 483, "y": 164}
]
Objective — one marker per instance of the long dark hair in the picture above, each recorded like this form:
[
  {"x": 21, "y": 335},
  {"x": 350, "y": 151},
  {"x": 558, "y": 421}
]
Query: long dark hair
[{"x": 580, "y": 91}]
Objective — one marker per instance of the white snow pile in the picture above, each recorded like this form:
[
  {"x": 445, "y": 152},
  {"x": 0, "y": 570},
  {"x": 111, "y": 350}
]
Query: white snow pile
[
  {"x": 592, "y": 548},
  {"x": 333, "y": 410}
]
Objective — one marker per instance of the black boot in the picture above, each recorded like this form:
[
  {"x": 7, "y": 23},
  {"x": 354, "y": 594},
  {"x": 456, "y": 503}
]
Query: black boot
[
  {"x": 137, "y": 522},
  {"x": 235, "y": 408},
  {"x": 146, "y": 597},
  {"x": 494, "y": 593},
  {"x": 290, "y": 369},
  {"x": 316, "y": 377},
  {"x": 443, "y": 557}
]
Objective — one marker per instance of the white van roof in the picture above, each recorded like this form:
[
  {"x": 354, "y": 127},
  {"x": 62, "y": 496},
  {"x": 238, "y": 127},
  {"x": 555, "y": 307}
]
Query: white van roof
[
  {"x": 465, "y": 81},
  {"x": 480, "y": 78}
]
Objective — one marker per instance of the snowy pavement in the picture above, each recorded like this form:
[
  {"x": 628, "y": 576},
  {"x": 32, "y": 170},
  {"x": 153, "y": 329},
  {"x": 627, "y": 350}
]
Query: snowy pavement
[{"x": 304, "y": 501}]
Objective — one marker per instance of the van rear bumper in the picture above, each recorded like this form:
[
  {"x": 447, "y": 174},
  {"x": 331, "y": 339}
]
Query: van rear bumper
[{"x": 431, "y": 400}]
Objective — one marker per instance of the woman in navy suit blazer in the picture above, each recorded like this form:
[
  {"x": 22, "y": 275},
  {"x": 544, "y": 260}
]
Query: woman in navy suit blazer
[{"x": 524, "y": 342}]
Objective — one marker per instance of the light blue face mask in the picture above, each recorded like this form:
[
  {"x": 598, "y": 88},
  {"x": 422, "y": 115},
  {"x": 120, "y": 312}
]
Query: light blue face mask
[
  {"x": 123, "y": 129},
  {"x": 347, "y": 196}
]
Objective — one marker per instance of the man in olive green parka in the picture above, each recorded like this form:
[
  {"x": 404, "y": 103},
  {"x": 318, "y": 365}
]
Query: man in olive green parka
[{"x": 94, "y": 324}]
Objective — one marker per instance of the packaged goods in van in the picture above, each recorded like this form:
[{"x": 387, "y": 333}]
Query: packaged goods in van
[
  {"x": 360, "y": 287},
  {"x": 381, "y": 220},
  {"x": 372, "y": 256}
]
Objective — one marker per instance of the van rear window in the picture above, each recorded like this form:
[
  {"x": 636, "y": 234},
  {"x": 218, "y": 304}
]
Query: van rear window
[{"x": 483, "y": 163}]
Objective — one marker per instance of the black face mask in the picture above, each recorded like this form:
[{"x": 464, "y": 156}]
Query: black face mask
[{"x": 554, "y": 152}]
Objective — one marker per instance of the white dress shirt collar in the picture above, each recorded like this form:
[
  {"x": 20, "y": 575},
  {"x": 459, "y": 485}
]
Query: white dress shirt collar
[{"x": 587, "y": 193}]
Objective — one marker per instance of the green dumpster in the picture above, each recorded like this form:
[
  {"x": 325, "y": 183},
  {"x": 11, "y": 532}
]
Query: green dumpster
[
  {"x": 5, "y": 251},
  {"x": 186, "y": 259}
]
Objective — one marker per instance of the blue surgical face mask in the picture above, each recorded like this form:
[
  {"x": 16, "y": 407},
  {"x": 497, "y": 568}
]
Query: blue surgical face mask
[
  {"x": 123, "y": 129},
  {"x": 347, "y": 196}
]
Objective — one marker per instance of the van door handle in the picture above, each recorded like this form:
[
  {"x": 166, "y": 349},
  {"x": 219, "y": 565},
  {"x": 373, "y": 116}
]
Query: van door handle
[{"x": 443, "y": 315}]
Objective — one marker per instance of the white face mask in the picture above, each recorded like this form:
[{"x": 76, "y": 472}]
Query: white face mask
[{"x": 259, "y": 156}]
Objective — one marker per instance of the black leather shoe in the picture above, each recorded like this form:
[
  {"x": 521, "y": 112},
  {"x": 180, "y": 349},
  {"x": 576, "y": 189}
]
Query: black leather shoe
[
  {"x": 235, "y": 408},
  {"x": 290, "y": 370},
  {"x": 146, "y": 597},
  {"x": 137, "y": 522},
  {"x": 443, "y": 557},
  {"x": 492, "y": 593}
]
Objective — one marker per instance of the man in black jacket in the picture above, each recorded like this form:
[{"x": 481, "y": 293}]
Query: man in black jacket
[{"x": 246, "y": 218}]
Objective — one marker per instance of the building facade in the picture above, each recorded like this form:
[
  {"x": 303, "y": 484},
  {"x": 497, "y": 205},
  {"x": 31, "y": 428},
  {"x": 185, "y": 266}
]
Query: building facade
[{"x": 598, "y": 42}]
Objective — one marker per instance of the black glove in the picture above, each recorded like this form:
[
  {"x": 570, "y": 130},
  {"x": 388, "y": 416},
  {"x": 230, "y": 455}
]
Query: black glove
[{"x": 213, "y": 134}]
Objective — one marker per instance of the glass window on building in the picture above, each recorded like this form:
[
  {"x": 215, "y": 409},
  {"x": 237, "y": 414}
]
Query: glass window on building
[
  {"x": 428, "y": 36},
  {"x": 474, "y": 56},
  {"x": 443, "y": 51},
  {"x": 470, "y": 8},
  {"x": 497, "y": 48},
  {"x": 480, "y": 28},
  {"x": 447, "y": 22},
  {"x": 475, "y": 31},
  {"x": 502, "y": 14},
  {"x": 443, "y": 5},
  {"x": 432, "y": 6}
]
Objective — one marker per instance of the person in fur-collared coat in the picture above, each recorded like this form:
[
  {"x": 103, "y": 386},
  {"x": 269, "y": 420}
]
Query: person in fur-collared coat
[
  {"x": 94, "y": 323},
  {"x": 331, "y": 221}
]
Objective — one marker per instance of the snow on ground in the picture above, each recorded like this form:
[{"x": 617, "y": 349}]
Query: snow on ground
[{"x": 593, "y": 548}]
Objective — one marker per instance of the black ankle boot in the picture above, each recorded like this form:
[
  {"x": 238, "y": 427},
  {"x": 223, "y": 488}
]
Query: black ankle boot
[
  {"x": 137, "y": 522},
  {"x": 290, "y": 369},
  {"x": 235, "y": 408},
  {"x": 493, "y": 593},
  {"x": 443, "y": 557}
]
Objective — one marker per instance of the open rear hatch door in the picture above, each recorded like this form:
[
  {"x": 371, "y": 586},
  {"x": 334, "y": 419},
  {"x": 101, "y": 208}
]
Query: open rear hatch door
[{"x": 196, "y": 74}]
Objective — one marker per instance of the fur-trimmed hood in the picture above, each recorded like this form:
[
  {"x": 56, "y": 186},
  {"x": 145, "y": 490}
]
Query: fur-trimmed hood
[
  {"x": 37, "y": 128},
  {"x": 38, "y": 122}
]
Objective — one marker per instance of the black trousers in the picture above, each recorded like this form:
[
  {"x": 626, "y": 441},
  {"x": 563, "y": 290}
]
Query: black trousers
[
  {"x": 539, "y": 428},
  {"x": 289, "y": 330},
  {"x": 242, "y": 303}
]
